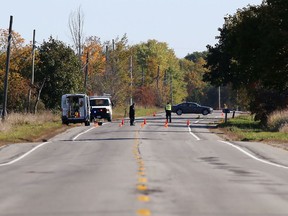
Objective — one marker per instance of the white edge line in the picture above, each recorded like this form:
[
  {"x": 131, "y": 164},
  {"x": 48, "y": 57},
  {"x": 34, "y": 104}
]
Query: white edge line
[
  {"x": 35, "y": 148},
  {"x": 252, "y": 156},
  {"x": 24, "y": 155},
  {"x": 196, "y": 137},
  {"x": 82, "y": 133}
]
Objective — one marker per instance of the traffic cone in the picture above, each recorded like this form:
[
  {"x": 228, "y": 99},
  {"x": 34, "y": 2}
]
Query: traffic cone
[
  {"x": 188, "y": 122},
  {"x": 144, "y": 121},
  {"x": 166, "y": 124},
  {"x": 154, "y": 114},
  {"x": 122, "y": 122}
]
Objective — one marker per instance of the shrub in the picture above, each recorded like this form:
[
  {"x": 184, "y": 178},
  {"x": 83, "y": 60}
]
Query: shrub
[{"x": 278, "y": 121}]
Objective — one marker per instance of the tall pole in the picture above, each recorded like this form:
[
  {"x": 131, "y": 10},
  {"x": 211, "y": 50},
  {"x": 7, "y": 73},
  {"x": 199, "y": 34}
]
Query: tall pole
[
  {"x": 4, "y": 112},
  {"x": 32, "y": 76},
  {"x": 158, "y": 76},
  {"x": 219, "y": 97},
  {"x": 131, "y": 81},
  {"x": 171, "y": 86},
  {"x": 86, "y": 72}
]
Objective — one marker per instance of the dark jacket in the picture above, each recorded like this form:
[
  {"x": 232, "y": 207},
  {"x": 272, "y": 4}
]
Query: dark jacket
[{"x": 132, "y": 111}]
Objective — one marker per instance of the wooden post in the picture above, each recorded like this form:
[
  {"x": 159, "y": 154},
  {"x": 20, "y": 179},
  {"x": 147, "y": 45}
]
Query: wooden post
[
  {"x": 32, "y": 76},
  {"x": 4, "y": 111}
]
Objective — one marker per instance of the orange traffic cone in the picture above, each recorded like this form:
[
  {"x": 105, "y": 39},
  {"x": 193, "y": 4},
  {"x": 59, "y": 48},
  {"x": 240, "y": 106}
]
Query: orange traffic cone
[
  {"x": 166, "y": 124},
  {"x": 154, "y": 114},
  {"x": 144, "y": 121},
  {"x": 122, "y": 122},
  {"x": 188, "y": 122}
]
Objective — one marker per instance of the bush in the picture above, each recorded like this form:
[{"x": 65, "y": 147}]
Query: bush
[{"x": 278, "y": 121}]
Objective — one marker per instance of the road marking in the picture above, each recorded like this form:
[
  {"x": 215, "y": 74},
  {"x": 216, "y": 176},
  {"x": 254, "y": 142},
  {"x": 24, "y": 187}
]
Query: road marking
[
  {"x": 254, "y": 157},
  {"x": 38, "y": 146},
  {"x": 141, "y": 173},
  {"x": 142, "y": 180},
  {"x": 194, "y": 135},
  {"x": 144, "y": 212},
  {"x": 143, "y": 198},
  {"x": 24, "y": 155},
  {"x": 82, "y": 133}
]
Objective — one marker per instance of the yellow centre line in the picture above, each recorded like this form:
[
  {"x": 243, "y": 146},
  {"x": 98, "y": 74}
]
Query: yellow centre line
[
  {"x": 144, "y": 212},
  {"x": 142, "y": 180}
]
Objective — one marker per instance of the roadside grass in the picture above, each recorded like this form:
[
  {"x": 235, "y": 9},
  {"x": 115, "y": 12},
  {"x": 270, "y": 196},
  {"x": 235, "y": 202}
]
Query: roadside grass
[
  {"x": 244, "y": 128},
  {"x": 23, "y": 127}
]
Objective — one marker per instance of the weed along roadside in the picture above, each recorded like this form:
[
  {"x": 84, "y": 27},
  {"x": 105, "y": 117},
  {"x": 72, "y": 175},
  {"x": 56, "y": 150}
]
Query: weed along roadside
[
  {"x": 244, "y": 128},
  {"x": 20, "y": 128}
]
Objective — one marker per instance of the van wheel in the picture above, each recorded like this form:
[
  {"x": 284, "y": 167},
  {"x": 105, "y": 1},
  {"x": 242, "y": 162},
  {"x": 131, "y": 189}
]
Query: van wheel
[{"x": 87, "y": 123}]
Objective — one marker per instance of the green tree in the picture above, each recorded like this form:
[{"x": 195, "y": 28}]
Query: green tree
[
  {"x": 159, "y": 70},
  {"x": 252, "y": 54},
  {"x": 60, "y": 70}
]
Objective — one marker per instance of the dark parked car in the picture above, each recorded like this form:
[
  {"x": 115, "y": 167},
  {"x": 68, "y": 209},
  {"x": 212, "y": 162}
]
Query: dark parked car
[{"x": 191, "y": 107}]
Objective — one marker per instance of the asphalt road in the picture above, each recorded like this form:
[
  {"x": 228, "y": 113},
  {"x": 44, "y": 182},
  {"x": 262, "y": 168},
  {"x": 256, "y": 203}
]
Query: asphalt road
[{"x": 147, "y": 169}]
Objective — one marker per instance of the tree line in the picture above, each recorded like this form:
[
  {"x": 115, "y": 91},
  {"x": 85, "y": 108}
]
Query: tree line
[
  {"x": 149, "y": 72},
  {"x": 248, "y": 63},
  {"x": 251, "y": 57}
]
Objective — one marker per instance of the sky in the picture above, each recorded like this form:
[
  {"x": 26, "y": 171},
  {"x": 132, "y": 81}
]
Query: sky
[{"x": 186, "y": 26}]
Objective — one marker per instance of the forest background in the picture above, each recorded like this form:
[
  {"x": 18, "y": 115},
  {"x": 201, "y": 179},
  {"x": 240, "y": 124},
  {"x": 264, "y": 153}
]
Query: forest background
[{"x": 248, "y": 65}]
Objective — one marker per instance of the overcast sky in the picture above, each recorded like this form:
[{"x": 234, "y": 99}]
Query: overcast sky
[{"x": 185, "y": 25}]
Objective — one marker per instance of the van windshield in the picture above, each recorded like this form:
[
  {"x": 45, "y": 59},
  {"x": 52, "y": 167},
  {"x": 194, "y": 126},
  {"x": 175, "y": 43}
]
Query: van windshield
[{"x": 99, "y": 102}]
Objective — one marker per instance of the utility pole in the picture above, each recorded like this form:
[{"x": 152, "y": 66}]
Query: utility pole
[
  {"x": 32, "y": 76},
  {"x": 171, "y": 86},
  {"x": 142, "y": 68},
  {"x": 158, "y": 76},
  {"x": 219, "y": 97},
  {"x": 86, "y": 72},
  {"x": 4, "y": 111},
  {"x": 131, "y": 77}
]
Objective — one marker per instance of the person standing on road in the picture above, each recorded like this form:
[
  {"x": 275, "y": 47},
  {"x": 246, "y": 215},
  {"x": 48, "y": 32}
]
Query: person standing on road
[
  {"x": 168, "y": 110},
  {"x": 132, "y": 114}
]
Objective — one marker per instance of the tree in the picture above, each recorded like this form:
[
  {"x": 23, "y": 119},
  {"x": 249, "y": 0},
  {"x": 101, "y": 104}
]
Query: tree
[
  {"x": 20, "y": 56},
  {"x": 60, "y": 69},
  {"x": 252, "y": 54},
  {"x": 76, "y": 24},
  {"x": 93, "y": 49},
  {"x": 159, "y": 69}
]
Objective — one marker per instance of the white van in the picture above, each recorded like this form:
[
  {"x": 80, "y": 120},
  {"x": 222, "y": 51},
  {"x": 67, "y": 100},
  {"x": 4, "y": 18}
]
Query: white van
[
  {"x": 75, "y": 109},
  {"x": 101, "y": 108}
]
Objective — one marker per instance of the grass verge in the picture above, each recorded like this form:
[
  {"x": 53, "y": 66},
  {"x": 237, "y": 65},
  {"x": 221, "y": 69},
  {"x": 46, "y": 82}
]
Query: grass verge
[
  {"x": 244, "y": 128},
  {"x": 31, "y": 132}
]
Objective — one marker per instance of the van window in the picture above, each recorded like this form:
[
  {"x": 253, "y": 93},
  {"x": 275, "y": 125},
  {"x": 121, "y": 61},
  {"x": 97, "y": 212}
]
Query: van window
[{"x": 99, "y": 102}]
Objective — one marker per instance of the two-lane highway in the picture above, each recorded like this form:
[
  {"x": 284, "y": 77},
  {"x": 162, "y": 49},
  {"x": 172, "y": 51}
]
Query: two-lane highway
[{"x": 147, "y": 169}]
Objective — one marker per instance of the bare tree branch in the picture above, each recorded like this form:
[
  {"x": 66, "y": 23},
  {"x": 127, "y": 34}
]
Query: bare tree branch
[{"x": 76, "y": 24}]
